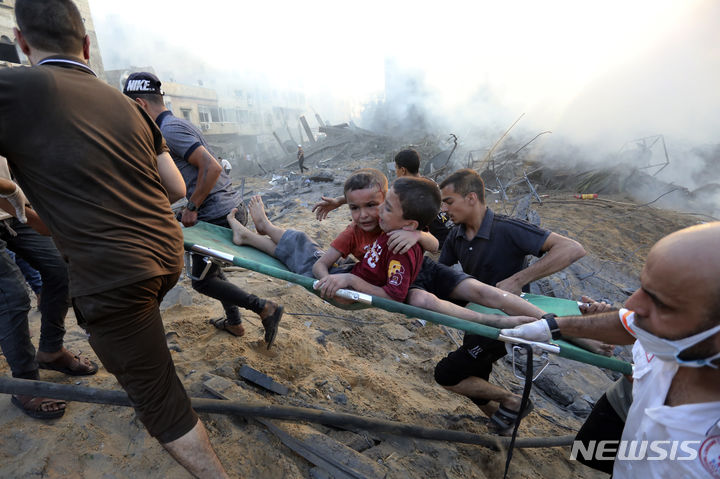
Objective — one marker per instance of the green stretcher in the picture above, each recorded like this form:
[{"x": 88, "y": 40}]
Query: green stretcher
[{"x": 216, "y": 242}]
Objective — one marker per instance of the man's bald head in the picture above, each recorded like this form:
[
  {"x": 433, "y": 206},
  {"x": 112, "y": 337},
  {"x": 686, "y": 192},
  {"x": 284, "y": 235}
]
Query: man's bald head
[{"x": 692, "y": 255}]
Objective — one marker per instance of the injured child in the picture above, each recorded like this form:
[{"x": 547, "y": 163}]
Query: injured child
[{"x": 365, "y": 191}]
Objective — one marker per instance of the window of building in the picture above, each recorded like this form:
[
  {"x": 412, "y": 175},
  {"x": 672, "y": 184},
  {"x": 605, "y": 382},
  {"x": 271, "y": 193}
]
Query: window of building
[
  {"x": 186, "y": 113},
  {"x": 204, "y": 114}
]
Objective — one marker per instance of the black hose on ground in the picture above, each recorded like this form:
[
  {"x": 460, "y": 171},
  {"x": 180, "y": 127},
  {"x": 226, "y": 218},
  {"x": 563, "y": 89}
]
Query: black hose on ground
[{"x": 290, "y": 413}]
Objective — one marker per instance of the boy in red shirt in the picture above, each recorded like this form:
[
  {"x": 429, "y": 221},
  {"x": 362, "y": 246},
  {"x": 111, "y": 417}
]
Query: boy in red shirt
[
  {"x": 365, "y": 191},
  {"x": 410, "y": 204}
]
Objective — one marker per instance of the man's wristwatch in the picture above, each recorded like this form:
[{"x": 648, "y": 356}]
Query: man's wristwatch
[
  {"x": 553, "y": 325},
  {"x": 190, "y": 206}
]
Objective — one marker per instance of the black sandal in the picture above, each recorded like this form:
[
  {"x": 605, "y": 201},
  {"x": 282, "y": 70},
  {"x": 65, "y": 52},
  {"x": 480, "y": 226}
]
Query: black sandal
[
  {"x": 504, "y": 419},
  {"x": 270, "y": 323}
]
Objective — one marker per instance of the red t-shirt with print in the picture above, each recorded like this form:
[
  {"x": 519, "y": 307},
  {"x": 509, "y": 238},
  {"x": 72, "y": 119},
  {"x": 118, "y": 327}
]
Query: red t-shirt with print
[
  {"x": 393, "y": 272},
  {"x": 353, "y": 240}
]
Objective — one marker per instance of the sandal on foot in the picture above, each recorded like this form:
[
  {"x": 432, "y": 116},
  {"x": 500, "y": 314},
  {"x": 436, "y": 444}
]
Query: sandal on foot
[
  {"x": 223, "y": 324},
  {"x": 503, "y": 421},
  {"x": 71, "y": 364},
  {"x": 271, "y": 322},
  {"x": 33, "y": 407}
]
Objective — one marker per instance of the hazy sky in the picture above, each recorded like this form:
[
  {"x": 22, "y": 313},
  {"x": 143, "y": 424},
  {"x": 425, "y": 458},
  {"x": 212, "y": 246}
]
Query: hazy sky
[{"x": 596, "y": 70}]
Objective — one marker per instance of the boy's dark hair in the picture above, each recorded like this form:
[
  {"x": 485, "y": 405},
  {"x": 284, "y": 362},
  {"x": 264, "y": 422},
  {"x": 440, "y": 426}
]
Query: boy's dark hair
[
  {"x": 420, "y": 199},
  {"x": 466, "y": 181},
  {"x": 51, "y": 25},
  {"x": 366, "y": 178},
  {"x": 408, "y": 159}
]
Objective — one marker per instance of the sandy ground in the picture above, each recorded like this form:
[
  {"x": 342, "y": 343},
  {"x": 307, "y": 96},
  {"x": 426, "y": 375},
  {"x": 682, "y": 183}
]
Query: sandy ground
[{"x": 369, "y": 362}]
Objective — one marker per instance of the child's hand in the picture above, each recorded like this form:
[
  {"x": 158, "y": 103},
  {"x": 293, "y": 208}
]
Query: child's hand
[
  {"x": 329, "y": 285},
  {"x": 325, "y": 206},
  {"x": 590, "y": 306},
  {"x": 401, "y": 241}
]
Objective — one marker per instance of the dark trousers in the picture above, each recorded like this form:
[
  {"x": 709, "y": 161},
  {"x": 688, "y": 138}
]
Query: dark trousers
[
  {"x": 40, "y": 253},
  {"x": 32, "y": 277},
  {"x": 127, "y": 334},
  {"x": 216, "y": 285},
  {"x": 603, "y": 424}
]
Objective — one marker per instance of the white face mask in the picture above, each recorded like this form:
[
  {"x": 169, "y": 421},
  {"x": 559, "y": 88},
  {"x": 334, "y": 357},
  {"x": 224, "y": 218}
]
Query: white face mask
[{"x": 669, "y": 350}]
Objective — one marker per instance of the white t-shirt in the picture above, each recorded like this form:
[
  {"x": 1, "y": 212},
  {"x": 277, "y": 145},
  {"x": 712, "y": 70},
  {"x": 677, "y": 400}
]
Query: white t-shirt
[
  {"x": 691, "y": 431},
  {"x": 226, "y": 164}
]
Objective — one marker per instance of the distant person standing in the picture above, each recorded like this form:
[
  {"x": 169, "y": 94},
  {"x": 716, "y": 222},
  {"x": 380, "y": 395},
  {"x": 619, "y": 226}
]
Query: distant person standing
[
  {"x": 301, "y": 159},
  {"x": 225, "y": 165},
  {"x": 210, "y": 197}
]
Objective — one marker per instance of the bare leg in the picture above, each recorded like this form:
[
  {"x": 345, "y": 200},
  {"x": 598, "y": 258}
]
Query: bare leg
[
  {"x": 426, "y": 300},
  {"x": 244, "y": 237},
  {"x": 194, "y": 452},
  {"x": 477, "y": 388},
  {"x": 262, "y": 223},
  {"x": 492, "y": 297}
]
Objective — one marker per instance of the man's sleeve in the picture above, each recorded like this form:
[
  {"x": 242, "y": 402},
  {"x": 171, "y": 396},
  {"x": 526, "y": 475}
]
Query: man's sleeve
[
  {"x": 344, "y": 241},
  {"x": 399, "y": 274},
  {"x": 528, "y": 237},
  {"x": 4, "y": 170},
  {"x": 181, "y": 139}
]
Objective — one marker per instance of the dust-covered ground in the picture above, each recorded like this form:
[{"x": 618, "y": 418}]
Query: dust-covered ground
[{"x": 366, "y": 362}]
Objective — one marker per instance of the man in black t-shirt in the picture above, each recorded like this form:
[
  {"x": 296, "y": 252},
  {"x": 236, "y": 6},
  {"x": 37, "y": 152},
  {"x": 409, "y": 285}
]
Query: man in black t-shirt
[{"x": 492, "y": 248}]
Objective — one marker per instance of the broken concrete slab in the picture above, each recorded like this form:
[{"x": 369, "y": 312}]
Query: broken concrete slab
[{"x": 262, "y": 380}]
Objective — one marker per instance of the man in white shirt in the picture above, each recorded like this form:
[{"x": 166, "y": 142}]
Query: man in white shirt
[{"x": 673, "y": 425}]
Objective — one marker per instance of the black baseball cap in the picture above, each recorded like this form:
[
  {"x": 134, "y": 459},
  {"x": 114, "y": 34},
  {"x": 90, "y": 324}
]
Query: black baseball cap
[{"x": 143, "y": 83}]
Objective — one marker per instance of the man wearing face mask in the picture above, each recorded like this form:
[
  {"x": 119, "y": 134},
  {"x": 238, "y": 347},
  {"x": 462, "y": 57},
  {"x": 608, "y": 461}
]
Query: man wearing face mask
[{"x": 674, "y": 322}]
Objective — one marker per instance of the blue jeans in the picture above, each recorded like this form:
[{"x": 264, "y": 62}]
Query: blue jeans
[
  {"x": 40, "y": 253},
  {"x": 31, "y": 275}
]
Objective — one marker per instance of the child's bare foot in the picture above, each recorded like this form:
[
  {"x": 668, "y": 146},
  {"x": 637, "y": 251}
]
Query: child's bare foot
[
  {"x": 257, "y": 213},
  {"x": 240, "y": 233},
  {"x": 594, "y": 346}
]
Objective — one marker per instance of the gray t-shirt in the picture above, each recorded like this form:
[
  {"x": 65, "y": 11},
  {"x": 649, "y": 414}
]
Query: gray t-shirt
[{"x": 183, "y": 138}]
